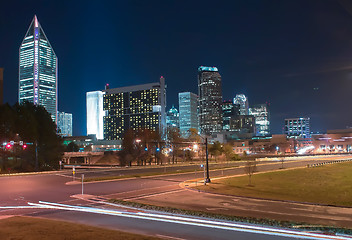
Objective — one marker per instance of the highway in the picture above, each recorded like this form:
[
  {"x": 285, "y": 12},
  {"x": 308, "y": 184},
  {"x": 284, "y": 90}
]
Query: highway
[{"x": 58, "y": 188}]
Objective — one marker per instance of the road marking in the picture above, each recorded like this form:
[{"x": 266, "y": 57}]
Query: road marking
[
  {"x": 169, "y": 237},
  {"x": 238, "y": 227},
  {"x": 152, "y": 195},
  {"x": 141, "y": 189},
  {"x": 62, "y": 175},
  {"x": 216, "y": 208}
]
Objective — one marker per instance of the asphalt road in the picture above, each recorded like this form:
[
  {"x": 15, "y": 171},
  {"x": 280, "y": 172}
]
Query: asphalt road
[{"x": 56, "y": 187}]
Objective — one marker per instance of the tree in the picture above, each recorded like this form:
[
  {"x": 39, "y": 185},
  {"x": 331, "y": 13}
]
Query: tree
[
  {"x": 215, "y": 149},
  {"x": 72, "y": 147},
  {"x": 228, "y": 151},
  {"x": 249, "y": 169},
  {"x": 174, "y": 139},
  {"x": 32, "y": 124},
  {"x": 127, "y": 154}
]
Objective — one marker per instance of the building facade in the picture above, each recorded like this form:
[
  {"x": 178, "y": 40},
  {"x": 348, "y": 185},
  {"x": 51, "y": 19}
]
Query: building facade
[
  {"x": 229, "y": 110},
  {"x": 38, "y": 70},
  {"x": 262, "y": 119},
  {"x": 173, "y": 118},
  {"x": 95, "y": 114},
  {"x": 334, "y": 141},
  {"x": 242, "y": 101},
  {"x": 188, "y": 104},
  {"x": 135, "y": 107},
  {"x": 299, "y": 127},
  {"x": 64, "y": 124},
  {"x": 210, "y": 100}
]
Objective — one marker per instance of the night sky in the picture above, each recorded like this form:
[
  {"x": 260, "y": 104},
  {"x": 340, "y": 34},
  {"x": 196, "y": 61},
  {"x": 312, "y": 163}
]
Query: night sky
[{"x": 295, "y": 55}]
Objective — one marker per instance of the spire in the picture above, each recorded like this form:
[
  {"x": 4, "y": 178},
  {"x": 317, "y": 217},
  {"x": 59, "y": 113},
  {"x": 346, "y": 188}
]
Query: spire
[{"x": 36, "y": 22}]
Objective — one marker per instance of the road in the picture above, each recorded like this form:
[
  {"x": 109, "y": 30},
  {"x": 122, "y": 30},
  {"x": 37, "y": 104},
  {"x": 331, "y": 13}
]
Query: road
[{"x": 56, "y": 188}]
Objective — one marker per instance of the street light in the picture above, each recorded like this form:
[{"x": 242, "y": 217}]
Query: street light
[{"x": 207, "y": 179}]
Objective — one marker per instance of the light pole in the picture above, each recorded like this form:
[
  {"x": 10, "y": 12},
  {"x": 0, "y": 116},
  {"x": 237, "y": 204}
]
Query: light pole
[{"x": 207, "y": 179}]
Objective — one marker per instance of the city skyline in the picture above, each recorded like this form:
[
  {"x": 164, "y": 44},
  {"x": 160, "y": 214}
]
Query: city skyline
[{"x": 300, "y": 69}]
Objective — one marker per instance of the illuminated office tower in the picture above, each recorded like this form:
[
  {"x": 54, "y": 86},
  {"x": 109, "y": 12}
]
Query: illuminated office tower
[
  {"x": 229, "y": 110},
  {"x": 187, "y": 102},
  {"x": 262, "y": 121},
  {"x": 299, "y": 127},
  {"x": 64, "y": 124},
  {"x": 242, "y": 101},
  {"x": 173, "y": 118},
  {"x": 210, "y": 100},
  {"x": 134, "y": 107},
  {"x": 38, "y": 70},
  {"x": 95, "y": 114}
]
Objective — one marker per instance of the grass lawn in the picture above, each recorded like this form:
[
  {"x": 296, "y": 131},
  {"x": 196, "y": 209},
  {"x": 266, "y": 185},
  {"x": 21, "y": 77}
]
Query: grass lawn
[
  {"x": 329, "y": 184},
  {"x": 36, "y": 228}
]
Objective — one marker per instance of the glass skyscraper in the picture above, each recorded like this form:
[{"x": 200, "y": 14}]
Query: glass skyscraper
[
  {"x": 95, "y": 114},
  {"x": 262, "y": 119},
  {"x": 64, "y": 123},
  {"x": 173, "y": 118},
  {"x": 242, "y": 101},
  {"x": 187, "y": 102},
  {"x": 210, "y": 100},
  {"x": 38, "y": 70}
]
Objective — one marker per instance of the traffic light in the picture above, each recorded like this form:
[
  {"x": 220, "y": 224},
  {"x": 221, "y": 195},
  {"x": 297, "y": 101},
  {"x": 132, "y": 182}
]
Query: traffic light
[
  {"x": 8, "y": 146},
  {"x": 24, "y": 146}
]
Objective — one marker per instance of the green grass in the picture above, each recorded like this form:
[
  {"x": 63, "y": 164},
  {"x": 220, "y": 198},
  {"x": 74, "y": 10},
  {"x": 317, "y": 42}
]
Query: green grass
[
  {"x": 329, "y": 184},
  {"x": 38, "y": 228},
  {"x": 253, "y": 220}
]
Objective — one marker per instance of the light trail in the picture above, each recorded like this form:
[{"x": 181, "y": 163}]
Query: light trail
[{"x": 183, "y": 220}]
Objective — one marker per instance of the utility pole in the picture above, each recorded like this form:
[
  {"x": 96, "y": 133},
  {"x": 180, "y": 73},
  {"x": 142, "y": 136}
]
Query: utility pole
[
  {"x": 207, "y": 180},
  {"x": 36, "y": 155}
]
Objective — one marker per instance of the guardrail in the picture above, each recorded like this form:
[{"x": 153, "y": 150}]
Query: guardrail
[{"x": 329, "y": 162}]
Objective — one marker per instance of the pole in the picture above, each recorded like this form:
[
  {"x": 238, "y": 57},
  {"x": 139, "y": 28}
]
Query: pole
[
  {"x": 82, "y": 182},
  {"x": 207, "y": 160},
  {"x": 36, "y": 155}
]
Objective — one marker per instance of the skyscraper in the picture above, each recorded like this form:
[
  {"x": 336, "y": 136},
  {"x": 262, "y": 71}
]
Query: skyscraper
[
  {"x": 299, "y": 127},
  {"x": 64, "y": 123},
  {"x": 229, "y": 110},
  {"x": 187, "y": 102},
  {"x": 173, "y": 118},
  {"x": 134, "y": 107},
  {"x": 38, "y": 70},
  {"x": 242, "y": 101},
  {"x": 210, "y": 100},
  {"x": 262, "y": 121},
  {"x": 95, "y": 114}
]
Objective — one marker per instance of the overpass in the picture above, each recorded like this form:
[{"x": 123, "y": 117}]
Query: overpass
[{"x": 87, "y": 156}]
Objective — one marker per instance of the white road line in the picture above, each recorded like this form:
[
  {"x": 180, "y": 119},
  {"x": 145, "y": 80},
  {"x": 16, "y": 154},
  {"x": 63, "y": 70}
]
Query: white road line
[
  {"x": 141, "y": 189},
  {"x": 62, "y": 175},
  {"x": 152, "y": 195},
  {"x": 192, "y": 221},
  {"x": 169, "y": 237}
]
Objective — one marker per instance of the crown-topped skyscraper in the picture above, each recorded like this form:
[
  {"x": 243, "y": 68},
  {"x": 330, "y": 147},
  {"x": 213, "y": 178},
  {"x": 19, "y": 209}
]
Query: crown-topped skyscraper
[{"x": 38, "y": 70}]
